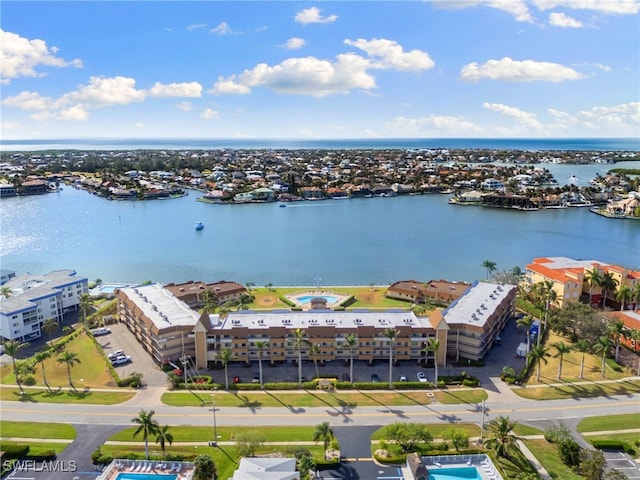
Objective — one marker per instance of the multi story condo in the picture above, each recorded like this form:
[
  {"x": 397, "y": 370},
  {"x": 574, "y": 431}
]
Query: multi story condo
[{"x": 36, "y": 298}]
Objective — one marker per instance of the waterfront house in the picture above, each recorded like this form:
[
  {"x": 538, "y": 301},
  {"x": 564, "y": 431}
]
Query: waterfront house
[
  {"x": 36, "y": 298},
  {"x": 191, "y": 292},
  {"x": 266, "y": 468},
  {"x": 627, "y": 207},
  {"x": 438, "y": 291},
  {"x": 7, "y": 190},
  {"x": 631, "y": 320}
]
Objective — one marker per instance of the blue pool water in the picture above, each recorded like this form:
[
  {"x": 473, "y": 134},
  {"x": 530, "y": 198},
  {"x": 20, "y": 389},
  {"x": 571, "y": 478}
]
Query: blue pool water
[
  {"x": 146, "y": 476},
  {"x": 304, "y": 299},
  {"x": 457, "y": 473}
]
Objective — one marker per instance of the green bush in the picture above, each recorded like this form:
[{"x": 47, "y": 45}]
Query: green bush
[
  {"x": 14, "y": 451},
  {"x": 569, "y": 452},
  {"x": 613, "y": 445},
  {"x": 349, "y": 301},
  {"x": 286, "y": 301}
]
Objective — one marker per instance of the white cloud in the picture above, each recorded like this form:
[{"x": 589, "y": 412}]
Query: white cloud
[
  {"x": 432, "y": 125},
  {"x": 389, "y": 54},
  {"x": 619, "y": 120},
  {"x": 184, "y": 106},
  {"x": 621, "y": 7},
  {"x": 21, "y": 56},
  {"x": 209, "y": 114},
  {"x": 523, "y": 118},
  {"x": 561, "y": 20},
  {"x": 517, "y": 8},
  {"x": 196, "y": 26},
  {"x": 9, "y": 125},
  {"x": 139, "y": 125},
  {"x": 318, "y": 77},
  {"x": 313, "y": 15},
  {"x": 294, "y": 43},
  {"x": 222, "y": 29},
  {"x": 101, "y": 92},
  {"x": 192, "y": 89},
  {"x": 518, "y": 71}
]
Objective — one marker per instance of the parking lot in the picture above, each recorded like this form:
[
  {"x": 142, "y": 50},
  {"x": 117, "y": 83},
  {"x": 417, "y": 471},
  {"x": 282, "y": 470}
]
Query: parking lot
[{"x": 622, "y": 462}]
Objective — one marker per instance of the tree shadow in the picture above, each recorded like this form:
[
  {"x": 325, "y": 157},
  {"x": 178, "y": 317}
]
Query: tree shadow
[
  {"x": 26, "y": 397},
  {"x": 54, "y": 392},
  {"x": 388, "y": 408},
  {"x": 291, "y": 408},
  {"x": 253, "y": 405}
]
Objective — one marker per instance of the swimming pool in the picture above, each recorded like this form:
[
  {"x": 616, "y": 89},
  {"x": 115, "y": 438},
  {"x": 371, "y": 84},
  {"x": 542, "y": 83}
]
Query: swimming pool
[
  {"x": 146, "y": 476},
  {"x": 457, "y": 473},
  {"x": 304, "y": 299}
]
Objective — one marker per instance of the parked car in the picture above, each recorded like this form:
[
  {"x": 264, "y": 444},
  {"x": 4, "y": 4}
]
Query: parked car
[
  {"x": 421, "y": 377},
  {"x": 121, "y": 360},
  {"x": 255, "y": 378},
  {"x": 403, "y": 378},
  {"x": 97, "y": 332},
  {"x": 236, "y": 379},
  {"x": 345, "y": 377},
  {"x": 375, "y": 378},
  {"x": 115, "y": 354}
]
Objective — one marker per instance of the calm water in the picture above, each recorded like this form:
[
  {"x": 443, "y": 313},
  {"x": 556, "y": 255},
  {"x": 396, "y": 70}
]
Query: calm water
[{"x": 342, "y": 242}]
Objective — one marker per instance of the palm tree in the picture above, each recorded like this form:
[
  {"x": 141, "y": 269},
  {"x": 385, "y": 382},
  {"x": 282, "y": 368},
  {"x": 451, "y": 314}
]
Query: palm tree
[
  {"x": 225, "y": 355},
  {"x": 562, "y": 349},
  {"x": 490, "y": 266},
  {"x": 11, "y": 348},
  {"x": 526, "y": 322},
  {"x": 391, "y": 334},
  {"x": 538, "y": 354},
  {"x": 594, "y": 279},
  {"x": 314, "y": 350},
  {"x": 50, "y": 327},
  {"x": 617, "y": 330},
  {"x": 209, "y": 301},
  {"x": 85, "y": 305},
  {"x": 623, "y": 295},
  {"x": 269, "y": 286},
  {"x": 40, "y": 357},
  {"x": 204, "y": 468},
  {"x": 636, "y": 294},
  {"x": 299, "y": 336},
  {"x": 70, "y": 359},
  {"x": 608, "y": 284},
  {"x": 5, "y": 291},
  {"x": 323, "y": 432},
  {"x": 163, "y": 437},
  {"x": 352, "y": 341},
  {"x": 500, "y": 436},
  {"x": 249, "y": 285},
  {"x": 148, "y": 426},
  {"x": 603, "y": 346},
  {"x": 432, "y": 346},
  {"x": 583, "y": 347},
  {"x": 260, "y": 344}
]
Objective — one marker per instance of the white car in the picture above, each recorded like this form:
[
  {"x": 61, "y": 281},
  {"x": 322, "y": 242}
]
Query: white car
[
  {"x": 421, "y": 377},
  {"x": 121, "y": 360},
  {"x": 115, "y": 354},
  {"x": 101, "y": 331}
]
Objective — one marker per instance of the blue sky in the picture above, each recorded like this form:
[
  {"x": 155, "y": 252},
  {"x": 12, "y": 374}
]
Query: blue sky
[{"x": 311, "y": 70}]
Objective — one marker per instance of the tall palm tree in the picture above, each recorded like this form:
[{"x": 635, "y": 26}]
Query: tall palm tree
[
  {"x": 490, "y": 266},
  {"x": 147, "y": 426},
  {"x": 299, "y": 337},
  {"x": 526, "y": 322},
  {"x": 594, "y": 279},
  {"x": 163, "y": 436},
  {"x": 50, "y": 327},
  {"x": 40, "y": 357},
  {"x": 85, "y": 305},
  {"x": 603, "y": 346},
  {"x": 225, "y": 355},
  {"x": 314, "y": 351},
  {"x": 352, "y": 341},
  {"x": 561, "y": 349},
  {"x": 623, "y": 295},
  {"x": 391, "y": 334},
  {"x": 500, "y": 436},
  {"x": 209, "y": 301},
  {"x": 70, "y": 359},
  {"x": 636, "y": 294},
  {"x": 608, "y": 284},
  {"x": 617, "y": 330},
  {"x": 538, "y": 354},
  {"x": 323, "y": 432},
  {"x": 260, "y": 345},
  {"x": 432, "y": 346},
  {"x": 583, "y": 347},
  {"x": 11, "y": 348}
]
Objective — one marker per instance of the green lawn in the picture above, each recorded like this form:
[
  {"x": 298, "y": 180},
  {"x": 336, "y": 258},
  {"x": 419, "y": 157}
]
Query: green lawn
[
  {"x": 609, "y": 422},
  {"x": 38, "y": 448},
  {"x": 579, "y": 391},
  {"x": 629, "y": 438},
  {"x": 225, "y": 434},
  {"x": 40, "y": 430},
  {"x": 438, "y": 430},
  {"x": 33, "y": 395},
  {"x": 523, "y": 430},
  {"x": 547, "y": 455},
  {"x": 476, "y": 395}
]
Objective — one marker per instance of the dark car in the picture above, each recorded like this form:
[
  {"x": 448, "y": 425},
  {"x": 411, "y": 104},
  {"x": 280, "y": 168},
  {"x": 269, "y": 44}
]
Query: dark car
[
  {"x": 345, "y": 377},
  {"x": 375, "y": 378},
  {"x": 255, "y": 378}
]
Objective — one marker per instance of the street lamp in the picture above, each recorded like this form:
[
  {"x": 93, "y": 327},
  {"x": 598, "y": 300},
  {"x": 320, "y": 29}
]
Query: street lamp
[{"x": 482, "y": 427}]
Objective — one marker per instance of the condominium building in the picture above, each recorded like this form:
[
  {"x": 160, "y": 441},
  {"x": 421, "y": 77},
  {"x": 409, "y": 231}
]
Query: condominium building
[
  {"x": 36, "y": 298},
  {"x": 570, "y": 279},
  {"x": 168, "y": 329}
]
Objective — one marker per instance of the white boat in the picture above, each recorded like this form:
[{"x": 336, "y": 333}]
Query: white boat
[{"x": 199, "y": 225}]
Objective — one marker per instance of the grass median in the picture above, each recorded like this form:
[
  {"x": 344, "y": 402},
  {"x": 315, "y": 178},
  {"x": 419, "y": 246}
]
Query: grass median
[
  {"x": 609, "y": 422},
  {"x": 581, "y": 390},
  {"x": 86, "y": 396}
]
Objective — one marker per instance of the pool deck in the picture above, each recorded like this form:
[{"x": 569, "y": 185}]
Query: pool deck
[
  {"x": 316, "y": 293},
  {"x": 485, "y": 467},
  {"x": 182, "y": 470}
]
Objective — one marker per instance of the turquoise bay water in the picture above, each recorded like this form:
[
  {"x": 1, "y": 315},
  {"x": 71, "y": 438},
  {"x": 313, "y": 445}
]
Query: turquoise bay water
[{"x": 348, "y": 242}]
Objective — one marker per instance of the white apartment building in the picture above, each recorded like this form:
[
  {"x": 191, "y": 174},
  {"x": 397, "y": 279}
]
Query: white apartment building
[{"x": 36, "y": 298}]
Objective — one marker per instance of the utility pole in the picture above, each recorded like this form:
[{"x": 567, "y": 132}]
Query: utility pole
[
  {"x": 214, "y": 443},
  {"x": 482, "y": 427}
]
